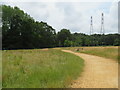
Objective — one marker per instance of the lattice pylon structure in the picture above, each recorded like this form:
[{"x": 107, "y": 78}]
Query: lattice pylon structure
[
  {"x": 91, "y": 26},
  {"x": 102, "y": 31}
]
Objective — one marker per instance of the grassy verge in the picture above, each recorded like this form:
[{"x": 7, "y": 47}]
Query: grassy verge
[
  {"x": 110, "y": 52},
  {"x": 40, "y": 68}
]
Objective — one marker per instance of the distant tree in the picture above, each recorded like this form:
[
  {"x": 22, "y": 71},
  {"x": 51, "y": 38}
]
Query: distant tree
[
  {"x": 63, "y": 35},
  {"x": 116, "y": 42},
  {"x": 21, "y": 31},
  {"x": 77, "y": 39},
  {"x": 67, "y": 43}
]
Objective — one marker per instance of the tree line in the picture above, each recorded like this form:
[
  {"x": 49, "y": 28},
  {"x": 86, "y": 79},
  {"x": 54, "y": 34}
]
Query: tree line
[{"x": 21, "y": 31}]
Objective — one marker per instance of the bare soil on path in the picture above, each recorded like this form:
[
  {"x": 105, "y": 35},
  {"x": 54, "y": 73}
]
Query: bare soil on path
[{"x": 98, "y": 72}]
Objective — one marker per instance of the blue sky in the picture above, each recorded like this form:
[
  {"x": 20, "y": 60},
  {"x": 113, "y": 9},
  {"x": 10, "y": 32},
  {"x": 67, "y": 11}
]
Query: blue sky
[{"x": 74, "y": 16}]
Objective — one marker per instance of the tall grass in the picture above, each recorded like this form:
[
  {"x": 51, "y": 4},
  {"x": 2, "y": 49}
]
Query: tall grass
[
  {"x": 0, "y": 68},
  {"x": 40, "y": 68}
]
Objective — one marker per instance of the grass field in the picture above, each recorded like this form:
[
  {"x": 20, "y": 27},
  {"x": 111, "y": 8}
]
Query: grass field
[
  {"x": 0, "y": 69},
  {"x": 38, "y": 68},
  {"x": 110, "y": 52}
]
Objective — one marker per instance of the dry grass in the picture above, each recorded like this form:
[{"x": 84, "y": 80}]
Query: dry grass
[{"x": 110, "y": 52}]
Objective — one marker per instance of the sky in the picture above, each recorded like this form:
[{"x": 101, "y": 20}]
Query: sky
[{"x": 72, "y": 15}]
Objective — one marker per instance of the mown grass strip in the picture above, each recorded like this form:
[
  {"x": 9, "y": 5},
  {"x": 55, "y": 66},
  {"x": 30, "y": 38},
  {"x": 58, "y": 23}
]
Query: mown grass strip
[{"x": 110, "y": 52}]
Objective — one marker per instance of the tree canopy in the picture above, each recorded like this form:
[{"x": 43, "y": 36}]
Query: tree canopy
[{"x": 21, "y": 31}]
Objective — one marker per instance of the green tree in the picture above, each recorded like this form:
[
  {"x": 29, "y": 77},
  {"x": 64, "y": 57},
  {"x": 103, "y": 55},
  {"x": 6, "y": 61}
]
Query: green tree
[{"x": 63, "y": 35}]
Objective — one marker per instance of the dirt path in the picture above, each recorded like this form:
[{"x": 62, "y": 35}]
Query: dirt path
[{"x": 98, "y": 72}]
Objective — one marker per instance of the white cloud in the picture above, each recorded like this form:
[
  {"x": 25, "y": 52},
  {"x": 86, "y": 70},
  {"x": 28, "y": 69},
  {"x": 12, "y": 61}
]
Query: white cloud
[
  {"x": 73, "y": 15},
  {"x": 58, "y": 0},
  {"x": 112, "y": 18}
]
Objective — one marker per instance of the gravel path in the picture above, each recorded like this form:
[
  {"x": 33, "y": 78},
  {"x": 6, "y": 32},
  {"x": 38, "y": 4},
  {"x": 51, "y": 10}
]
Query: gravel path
[{"x": 98, "y": 72}]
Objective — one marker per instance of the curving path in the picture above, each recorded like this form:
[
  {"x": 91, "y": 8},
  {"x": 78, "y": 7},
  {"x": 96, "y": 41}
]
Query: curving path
[{"x": 98, "y": 72}]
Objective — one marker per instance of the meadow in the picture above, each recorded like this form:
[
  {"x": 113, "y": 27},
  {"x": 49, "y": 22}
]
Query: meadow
[
  {"x": 37, "y": 68},
  {"x": 0, "y": 69},
  {"x": 110, "y": 52}
]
